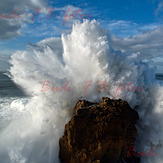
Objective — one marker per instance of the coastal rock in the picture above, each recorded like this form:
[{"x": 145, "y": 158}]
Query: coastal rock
[{"x": 99, "y": 133}]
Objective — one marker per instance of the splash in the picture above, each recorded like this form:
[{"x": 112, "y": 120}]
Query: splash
[{"x": 83, "y": 55}]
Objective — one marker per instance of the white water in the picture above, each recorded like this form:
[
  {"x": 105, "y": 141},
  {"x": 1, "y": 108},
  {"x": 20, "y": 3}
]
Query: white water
[{"x": 37, "y": 123}]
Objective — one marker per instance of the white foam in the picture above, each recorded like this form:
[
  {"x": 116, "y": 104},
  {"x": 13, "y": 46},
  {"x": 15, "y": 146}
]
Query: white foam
[{"x": 83, "y": 55}]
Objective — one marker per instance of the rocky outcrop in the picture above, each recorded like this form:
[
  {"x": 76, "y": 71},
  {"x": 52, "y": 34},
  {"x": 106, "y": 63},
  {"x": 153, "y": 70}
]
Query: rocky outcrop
[{"x": 99, "y": 132}]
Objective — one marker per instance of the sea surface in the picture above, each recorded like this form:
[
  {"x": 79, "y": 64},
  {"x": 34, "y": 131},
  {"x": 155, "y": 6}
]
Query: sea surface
[
  {"x": 8, "y": 88},
  {"x": 12, "y": 101}
]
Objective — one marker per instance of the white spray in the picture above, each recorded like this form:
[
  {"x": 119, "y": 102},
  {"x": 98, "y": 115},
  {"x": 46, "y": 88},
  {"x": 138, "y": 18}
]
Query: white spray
[{"x": 83, "y": 55}]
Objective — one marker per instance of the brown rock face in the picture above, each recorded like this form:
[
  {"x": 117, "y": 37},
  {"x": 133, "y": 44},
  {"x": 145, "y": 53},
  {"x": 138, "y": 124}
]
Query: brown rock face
[{"x": 99, "y": 132}]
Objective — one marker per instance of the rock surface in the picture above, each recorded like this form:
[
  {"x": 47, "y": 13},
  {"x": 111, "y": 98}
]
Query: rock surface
[{"x": 99, "y": 132}]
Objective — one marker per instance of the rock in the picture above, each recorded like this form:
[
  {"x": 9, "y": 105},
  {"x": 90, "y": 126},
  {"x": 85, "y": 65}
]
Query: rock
[{"x": 99, "y": 132}]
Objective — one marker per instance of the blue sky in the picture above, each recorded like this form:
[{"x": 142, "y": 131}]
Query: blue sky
[
  {"x": 138, "y": 11},
  {"x": 123, "y": 18}
]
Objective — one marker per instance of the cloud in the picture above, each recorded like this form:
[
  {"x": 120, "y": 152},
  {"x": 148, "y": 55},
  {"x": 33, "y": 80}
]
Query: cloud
[
  {"x": 12, "y": 27},
  {"x": 55, "y": 26},
  {"x": 147, "y": 45},
  {"x": 159, "y": 9},
  {"x": 124, "y": 29}
]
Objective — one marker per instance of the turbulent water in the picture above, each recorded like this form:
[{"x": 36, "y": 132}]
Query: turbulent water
[{"x": 32, "y": 121}]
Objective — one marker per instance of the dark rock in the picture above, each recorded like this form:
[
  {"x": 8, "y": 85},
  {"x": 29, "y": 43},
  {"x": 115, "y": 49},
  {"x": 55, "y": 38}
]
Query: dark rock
[{"x": 99, "y": 132}]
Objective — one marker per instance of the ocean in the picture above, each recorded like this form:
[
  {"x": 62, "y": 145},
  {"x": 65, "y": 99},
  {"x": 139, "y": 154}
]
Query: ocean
[
  {"x": 8, "y": 88},
  {"x": 31, "y": 121}
]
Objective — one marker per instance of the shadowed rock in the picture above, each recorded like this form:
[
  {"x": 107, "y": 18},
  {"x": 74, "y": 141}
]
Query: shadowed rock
[{"x": 99, "y": 133}]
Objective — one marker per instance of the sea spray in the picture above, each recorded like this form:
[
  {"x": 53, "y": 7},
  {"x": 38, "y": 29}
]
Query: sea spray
[{"x": 83, "y": 55}]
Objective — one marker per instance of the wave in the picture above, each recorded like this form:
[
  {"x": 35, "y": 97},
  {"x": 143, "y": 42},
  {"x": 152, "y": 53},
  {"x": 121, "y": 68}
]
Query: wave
[{"x": 79, "y": 57}]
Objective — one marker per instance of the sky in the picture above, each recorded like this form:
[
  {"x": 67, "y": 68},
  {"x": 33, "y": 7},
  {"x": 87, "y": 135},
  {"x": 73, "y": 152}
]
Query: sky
[{"x": 134, "y": 24}]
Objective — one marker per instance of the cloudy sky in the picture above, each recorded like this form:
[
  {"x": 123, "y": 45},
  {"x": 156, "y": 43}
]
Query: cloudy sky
[{"x": 135, "y": 25}]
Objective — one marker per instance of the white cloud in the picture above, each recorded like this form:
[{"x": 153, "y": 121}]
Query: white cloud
[
  {"x": 159, "y": 9},
  {"x": 126, "y": 29},
  {"x": 10, "y": 28},
  {"x": 148, "y": 45},
  {"x": 54, "y": 26}
]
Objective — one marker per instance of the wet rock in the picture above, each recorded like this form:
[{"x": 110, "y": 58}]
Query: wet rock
[{"x": 99, "y": 132}]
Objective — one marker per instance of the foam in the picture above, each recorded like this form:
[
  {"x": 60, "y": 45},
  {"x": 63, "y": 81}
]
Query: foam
[{"x": 83, "y": 55}]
